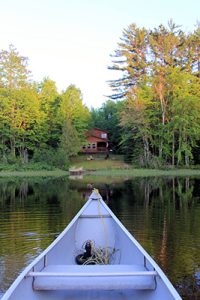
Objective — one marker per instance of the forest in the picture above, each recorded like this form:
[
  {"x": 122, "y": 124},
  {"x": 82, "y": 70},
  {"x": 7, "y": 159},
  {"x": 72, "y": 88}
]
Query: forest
[{"x": 152, "y": 117}]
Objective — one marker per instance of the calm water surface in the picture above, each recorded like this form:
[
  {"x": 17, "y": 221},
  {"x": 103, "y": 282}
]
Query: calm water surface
[{"x": 162, "y": 213}]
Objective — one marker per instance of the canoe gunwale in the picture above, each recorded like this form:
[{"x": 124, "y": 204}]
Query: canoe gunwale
[
  {"x": 30, "y": 267},
  {"x": 155, "y": 271},
  {"x": 155, "y": 266}
]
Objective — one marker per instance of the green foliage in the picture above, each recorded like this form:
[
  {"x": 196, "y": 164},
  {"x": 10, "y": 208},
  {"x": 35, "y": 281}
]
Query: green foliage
[
  {"x": 26, "y": 167},
  {"x": 36, "y": 122},
  {"x": 160, "y": 88},
  {"x": 51, "y": 157},
  {"x": 74, "y": 110},
  {"x": 51, "y": 120},
  {"x": 70, "y": 141},
  {"x": 155, "y": 123},
  {"x": 107, "y": 118},
  {"x": 13, "y": 69}
]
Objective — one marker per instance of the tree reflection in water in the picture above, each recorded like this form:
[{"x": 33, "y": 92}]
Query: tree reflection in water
[{"x": 162, "y": 213}]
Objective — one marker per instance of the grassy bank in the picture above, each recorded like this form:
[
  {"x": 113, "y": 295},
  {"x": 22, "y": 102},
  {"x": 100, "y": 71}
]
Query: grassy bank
[
  {"x": 105, "y": 173},
  {"x": 114, "y": 166},
  {"x": 95, "y": 165},
  {"x": 147, "y": 172},
  {"x": 29, "y": 173},
  {"x": 117, "y": 167}
]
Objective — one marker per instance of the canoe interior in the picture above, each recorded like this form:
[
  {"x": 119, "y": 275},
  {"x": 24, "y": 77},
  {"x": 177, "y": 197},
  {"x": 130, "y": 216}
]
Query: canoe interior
[{"x": 97, "y": 223}]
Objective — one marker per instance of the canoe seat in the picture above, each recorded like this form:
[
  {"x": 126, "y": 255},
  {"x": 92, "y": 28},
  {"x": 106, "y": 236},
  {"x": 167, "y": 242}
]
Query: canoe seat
[{"x": 94, "y": 277}]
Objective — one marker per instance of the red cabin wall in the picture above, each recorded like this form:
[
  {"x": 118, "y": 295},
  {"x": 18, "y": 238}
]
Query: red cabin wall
[{"x": 96, "y": 144}]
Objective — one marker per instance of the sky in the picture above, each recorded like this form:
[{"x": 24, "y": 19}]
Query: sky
[{"x": 70, "y": 41}]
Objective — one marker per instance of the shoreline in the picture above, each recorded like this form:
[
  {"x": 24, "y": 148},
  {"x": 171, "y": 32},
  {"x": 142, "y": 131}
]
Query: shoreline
[{"x": 104, "y": 172}]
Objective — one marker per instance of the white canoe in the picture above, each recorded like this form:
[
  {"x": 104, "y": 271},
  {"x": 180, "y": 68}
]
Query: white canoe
[{"x": 125, "y": 271}]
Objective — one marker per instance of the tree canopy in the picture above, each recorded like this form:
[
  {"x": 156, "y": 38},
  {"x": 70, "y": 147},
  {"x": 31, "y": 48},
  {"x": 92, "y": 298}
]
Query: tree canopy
[
  {"x": 35, "y": 119},
  {"x": 152, "y": 117},
  {"x": 160, "y": 89}
]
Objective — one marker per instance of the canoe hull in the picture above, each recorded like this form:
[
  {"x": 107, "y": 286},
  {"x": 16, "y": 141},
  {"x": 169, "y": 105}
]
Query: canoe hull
[{"x": 130, "y": 274}]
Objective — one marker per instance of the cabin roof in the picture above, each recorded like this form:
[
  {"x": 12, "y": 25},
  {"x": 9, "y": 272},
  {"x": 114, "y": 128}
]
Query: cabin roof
[{"x": 94, "y": 133}]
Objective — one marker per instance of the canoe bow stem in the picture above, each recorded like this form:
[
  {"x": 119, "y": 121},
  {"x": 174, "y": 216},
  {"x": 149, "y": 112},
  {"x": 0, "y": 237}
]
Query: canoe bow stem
[
  {"x": 91, "y": 254},
  {"x": 105, "y": 232},
  {"x": 96, "y": 191}
]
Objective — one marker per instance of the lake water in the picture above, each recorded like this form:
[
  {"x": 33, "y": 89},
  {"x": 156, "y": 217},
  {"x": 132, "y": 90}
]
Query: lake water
[{"x": 162, "y": 213}]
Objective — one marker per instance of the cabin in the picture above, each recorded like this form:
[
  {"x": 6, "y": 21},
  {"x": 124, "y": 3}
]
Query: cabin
[{"x": 97, "y": 141}]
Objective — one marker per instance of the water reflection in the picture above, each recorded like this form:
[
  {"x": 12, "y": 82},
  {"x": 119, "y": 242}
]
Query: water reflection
[{"x": 162, "y": 213}]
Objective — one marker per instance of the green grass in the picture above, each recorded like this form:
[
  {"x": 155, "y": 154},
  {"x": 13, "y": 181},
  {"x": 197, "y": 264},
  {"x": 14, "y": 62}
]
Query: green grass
[
  {"x": 117, "y": 167},
  {"x": 99, "y": 164},
  {"x": 148, "y": 172},
  {"x": 105, "y": 173},
  {"x": 100, "y": 167},
  {"x": 29, "y": 173}
]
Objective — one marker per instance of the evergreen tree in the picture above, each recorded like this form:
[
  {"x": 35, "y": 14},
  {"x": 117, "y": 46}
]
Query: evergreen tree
[
  {"x": 160, "y": 77},
  {"x": 131, "y": 59},
  {"x": 70, "y": 141}
]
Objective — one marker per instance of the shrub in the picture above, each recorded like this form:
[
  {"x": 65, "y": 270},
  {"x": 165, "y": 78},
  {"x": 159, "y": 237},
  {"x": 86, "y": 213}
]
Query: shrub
[{"x": 52, "y": 157}]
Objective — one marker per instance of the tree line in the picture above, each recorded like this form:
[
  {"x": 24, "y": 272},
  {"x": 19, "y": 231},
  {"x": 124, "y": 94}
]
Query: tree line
[
  {"x": 160, "y": 86},
  {"x": 159, "y": 92},
  {"x": 36, "y": 121},
  {"x": 153, "y": 116}
]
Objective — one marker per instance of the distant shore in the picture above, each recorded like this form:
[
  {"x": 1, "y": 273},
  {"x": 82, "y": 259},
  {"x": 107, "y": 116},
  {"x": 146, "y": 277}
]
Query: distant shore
[
  {"x": 29, "y": 173},
  {"x": 105, "y": 172},
  {"x": 114, "y": 166}
]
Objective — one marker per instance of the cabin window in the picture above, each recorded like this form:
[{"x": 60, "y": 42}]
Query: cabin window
[
  {"x": 88, "y": 146},
  {"x": 84, "y": 147},
  {"x": 93, "y": 146},
  {"x": 104, "y": 135}
]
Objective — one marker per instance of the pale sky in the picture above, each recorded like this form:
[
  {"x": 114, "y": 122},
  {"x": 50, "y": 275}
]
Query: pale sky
[{"x": 70, "y": 41}]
